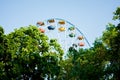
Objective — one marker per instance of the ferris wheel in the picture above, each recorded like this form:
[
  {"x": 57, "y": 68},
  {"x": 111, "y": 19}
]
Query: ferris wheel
[{"x": 67, "y": 34}]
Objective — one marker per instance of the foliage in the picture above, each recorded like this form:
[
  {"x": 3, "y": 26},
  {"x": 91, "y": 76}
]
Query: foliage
[
  {"x": 86, "y": 64},
  {"x": 29, "y": 54},
  {"x": 117, "y": 14},
  {"x": 111, "y": 38}
]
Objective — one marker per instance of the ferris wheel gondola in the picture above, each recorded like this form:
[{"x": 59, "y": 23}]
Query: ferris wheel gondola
[{"x": 67, "y": 34}]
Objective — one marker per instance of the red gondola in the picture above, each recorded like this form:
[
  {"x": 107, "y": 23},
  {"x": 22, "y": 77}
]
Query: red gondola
[
  {"x": 81, "y": 44},
  {"x": 42, "y": 30}
]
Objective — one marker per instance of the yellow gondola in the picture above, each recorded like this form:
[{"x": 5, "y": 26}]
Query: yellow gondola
[
  {"x": 62, "y": 29},
  {"x": 40, "y": 23},
  {"x": 62, "y": 22}
]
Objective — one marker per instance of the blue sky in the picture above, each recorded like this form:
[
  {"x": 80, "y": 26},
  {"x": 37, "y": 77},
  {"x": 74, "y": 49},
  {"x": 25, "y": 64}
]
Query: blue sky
[{"x": 90, "y": 16}]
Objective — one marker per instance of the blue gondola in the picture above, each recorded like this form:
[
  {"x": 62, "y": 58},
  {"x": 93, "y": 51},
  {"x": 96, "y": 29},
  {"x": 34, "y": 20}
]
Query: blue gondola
[{"x": 51, "y": 27}]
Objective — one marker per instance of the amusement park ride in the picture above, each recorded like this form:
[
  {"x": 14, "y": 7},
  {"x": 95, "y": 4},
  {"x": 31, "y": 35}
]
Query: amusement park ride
[{"x": 67, "y": 34}]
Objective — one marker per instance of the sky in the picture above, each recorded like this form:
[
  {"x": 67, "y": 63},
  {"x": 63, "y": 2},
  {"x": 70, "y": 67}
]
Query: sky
[{"x": 90, "y": 16}]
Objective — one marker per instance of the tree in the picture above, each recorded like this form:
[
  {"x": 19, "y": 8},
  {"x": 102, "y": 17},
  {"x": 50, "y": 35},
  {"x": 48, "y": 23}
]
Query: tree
[
  {"x": 86, "y": 64},
  {"x": 31, "y": 55},
  {"x": 5, "y": 56},
  {"x": 111, "y": 38}
]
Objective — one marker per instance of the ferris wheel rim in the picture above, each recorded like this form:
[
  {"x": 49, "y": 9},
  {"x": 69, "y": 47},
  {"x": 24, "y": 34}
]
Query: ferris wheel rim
[
  {"x": 71, "y": 25},
  {"x": 76, "y": 28}
]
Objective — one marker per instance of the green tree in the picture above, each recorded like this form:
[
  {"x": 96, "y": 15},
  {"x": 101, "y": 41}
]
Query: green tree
[
  {"x": 111, "y": 38},
  {"x": 86, "y": 64},
  {"x": 31, "y": 55},
  {"x": 5, "y": 56}
]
